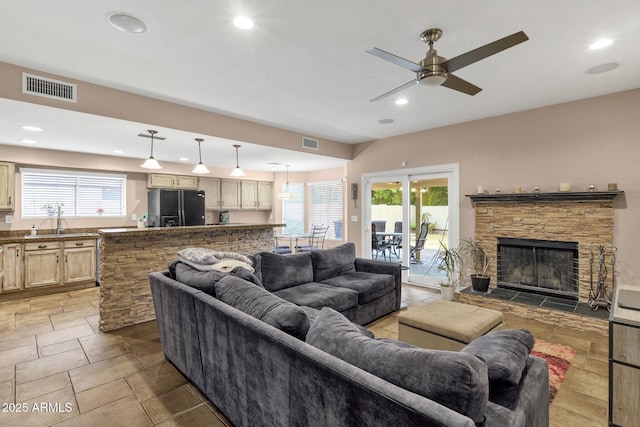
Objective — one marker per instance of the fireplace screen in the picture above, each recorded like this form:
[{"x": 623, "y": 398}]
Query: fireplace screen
[{"x": 544, "y": 266}]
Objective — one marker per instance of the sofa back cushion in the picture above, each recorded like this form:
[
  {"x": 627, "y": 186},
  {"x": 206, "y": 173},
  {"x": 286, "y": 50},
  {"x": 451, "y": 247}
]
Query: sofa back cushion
[
  {"x": 333, "y": 262},
  {"x": 263, "y": 305},
  {"x": 456, "y": 380},
  {"x": 284, "y": 271},
  {"x": 206, "y": 280}
]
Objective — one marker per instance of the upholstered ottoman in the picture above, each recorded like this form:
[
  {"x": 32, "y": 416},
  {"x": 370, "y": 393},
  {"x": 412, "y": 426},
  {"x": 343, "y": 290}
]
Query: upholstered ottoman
[{"x": 446, "y": 325}]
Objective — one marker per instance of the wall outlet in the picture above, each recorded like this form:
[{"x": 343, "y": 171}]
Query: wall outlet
[
  {"x": 8, "y": 219},
  {"x": 134, "y": 217},
  {"x": 354, "y": 218}
]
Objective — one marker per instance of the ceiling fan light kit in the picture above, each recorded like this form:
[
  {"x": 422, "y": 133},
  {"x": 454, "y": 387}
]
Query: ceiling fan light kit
[{"x": 435, "y": 70}]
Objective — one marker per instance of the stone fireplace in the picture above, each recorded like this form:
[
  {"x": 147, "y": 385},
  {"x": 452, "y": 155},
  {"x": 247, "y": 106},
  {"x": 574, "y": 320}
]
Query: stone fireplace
[{"x": 542, "y": 220}]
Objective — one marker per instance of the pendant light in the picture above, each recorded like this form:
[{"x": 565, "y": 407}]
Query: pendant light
[
  {"x": 200, "y": 167},
  {"x": 237, "y": 171},
  {"x": 151, "y": 163},
  {"x": 287, "y": 195}
]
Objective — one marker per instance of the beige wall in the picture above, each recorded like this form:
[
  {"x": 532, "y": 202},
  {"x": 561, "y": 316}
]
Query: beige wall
[{"x": 592, "y": 141}]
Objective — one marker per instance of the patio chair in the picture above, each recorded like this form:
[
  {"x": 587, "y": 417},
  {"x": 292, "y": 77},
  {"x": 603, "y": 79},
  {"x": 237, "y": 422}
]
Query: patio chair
[
  {"x": 378, "y": 245},
  {"x": 396, "y": 241},
  {"x": 422, "y": 237},
  {"x": 316, "y": 240}
]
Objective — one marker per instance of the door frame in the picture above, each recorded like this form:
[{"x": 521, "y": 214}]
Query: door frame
[{"x": 452, "y": 172}]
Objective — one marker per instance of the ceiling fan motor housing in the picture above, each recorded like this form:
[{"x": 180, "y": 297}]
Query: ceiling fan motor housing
[{"x": 431, "y": 73}]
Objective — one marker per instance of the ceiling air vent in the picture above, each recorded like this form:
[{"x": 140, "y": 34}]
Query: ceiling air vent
[
  {"x": 49, "y": 88},
  {"x": 309, "y": 143}
]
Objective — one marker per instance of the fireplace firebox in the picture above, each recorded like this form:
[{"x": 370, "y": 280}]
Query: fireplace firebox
[{"x": 542, "y": 266}]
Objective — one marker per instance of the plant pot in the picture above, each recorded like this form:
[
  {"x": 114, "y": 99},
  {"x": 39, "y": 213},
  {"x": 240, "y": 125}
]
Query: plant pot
[
  {"x": 448, "y": 293},
  {"x": 480, "y": 283}
]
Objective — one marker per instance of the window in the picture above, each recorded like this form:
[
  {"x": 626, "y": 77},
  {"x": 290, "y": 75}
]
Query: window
[
  {"x": 326, "y": 206},
  {"x": 80, "y": 194},
  {"x": 293, "y": 210}
]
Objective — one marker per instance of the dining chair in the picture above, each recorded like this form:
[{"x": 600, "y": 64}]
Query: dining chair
[
  {"x": 422, "y": 237},
  {"x": 316, "y": 239},
  {"x": 281, "y": 249}
]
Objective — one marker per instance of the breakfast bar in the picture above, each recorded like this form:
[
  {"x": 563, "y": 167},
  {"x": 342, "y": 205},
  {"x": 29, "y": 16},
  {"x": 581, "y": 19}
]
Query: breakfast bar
[{"x": 128, "y": 255}]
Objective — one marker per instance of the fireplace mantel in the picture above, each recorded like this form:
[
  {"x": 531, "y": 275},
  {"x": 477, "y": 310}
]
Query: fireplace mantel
[{"x": 569, "y": 196}]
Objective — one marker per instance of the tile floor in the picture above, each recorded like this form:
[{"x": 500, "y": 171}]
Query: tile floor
[{"x": 56, "y": 368}]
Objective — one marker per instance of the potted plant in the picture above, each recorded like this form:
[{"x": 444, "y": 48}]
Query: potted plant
[
  {"x": 480, "y": 261},
  {"x": 449, "y": 260}
]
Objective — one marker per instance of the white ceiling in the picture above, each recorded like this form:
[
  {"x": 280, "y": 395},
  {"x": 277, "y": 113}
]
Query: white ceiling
[{"x": 304, "y": 66}]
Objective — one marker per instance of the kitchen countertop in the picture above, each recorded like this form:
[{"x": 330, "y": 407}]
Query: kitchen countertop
[
  {"x": 108, "y": 232},
  {"x": 47, "y": 237}
]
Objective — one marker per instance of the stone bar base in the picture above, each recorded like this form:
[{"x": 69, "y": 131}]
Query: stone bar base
[
  {"x": 127, "y": 256},
  {"x": 545, "y": 315}
]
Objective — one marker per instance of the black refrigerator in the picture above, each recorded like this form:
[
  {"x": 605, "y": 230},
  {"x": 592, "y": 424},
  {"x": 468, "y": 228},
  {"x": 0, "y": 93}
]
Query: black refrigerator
[{"x": 170, "y": 208}]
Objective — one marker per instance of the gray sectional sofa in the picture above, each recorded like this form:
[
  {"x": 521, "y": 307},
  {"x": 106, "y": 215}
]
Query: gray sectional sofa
[{"x": 284, "y": 348}]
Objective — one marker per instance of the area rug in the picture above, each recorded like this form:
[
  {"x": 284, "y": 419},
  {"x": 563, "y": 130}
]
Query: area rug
[{"x": 559, "y": 358}]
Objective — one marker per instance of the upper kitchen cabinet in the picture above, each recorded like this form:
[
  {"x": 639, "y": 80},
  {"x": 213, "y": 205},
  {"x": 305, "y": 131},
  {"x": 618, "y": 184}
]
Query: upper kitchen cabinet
[
  {"x": 159, "y": 180},
  {"x": 229, "y": 194},
  {"x": 7, "y": 186},
  {"x": 257, "y": 195},
  {"x": 211, "y": 188}
]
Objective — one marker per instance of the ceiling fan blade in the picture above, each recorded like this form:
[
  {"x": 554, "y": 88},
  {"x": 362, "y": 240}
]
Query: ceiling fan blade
[
  {"x": 482, "y": 52},
  {"x": 456, "y": 83},
  {"x": 398, "y": 89},
  {"x": 394, "y": 59}
]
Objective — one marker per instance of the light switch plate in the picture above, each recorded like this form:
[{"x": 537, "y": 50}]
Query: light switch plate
[
  {"x": 354, "y": 218},
  {"x": 134, "y": 217},
  {"x": 8, "y": 219}
]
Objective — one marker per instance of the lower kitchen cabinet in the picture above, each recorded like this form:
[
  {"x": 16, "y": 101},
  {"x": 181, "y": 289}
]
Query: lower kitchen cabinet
[
  {"x": 79, "y": 261},
  {"x": 11, "y": 279},
  {"x": 41, "y": 264}
]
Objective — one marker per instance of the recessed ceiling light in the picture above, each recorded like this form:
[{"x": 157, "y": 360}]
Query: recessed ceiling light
[
  {"x": 385, "y": 121},
  {"x": 118, "y": 151},
  {"x": 402, "y": 101},
  {"x": 32, "y": 128},
  {"x": 599, "y": 44},
  {"x": 184, "y": 159},
  {"x": 127, "y": 23},
  {"x": 243, "y": 22},
  {"x": 28, "y": 141}
]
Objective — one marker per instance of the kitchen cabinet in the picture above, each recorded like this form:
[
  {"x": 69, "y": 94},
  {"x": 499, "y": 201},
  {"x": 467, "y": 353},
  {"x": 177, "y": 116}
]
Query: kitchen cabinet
[
  {"x": 79, "y": 260},
  {"x": 11, "y": 267},
  {"x": 256, "y": 195},
  {"x": 265, "y": 195},
  {"x": 159, "y": 180},
  {"x": 41, "y": 264},
  {"x": 624, "y": 363},
  {"x": 211, "y": 188},
  {"x": 7, "y": 186},
  {"x": 229, "y": 194}
]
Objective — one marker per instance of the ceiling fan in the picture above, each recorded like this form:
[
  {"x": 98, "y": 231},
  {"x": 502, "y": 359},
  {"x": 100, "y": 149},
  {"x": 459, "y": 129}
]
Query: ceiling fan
[{"x": 435, "y": 70}]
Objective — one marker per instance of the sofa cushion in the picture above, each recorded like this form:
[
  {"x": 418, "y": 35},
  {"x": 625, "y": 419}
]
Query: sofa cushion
[
  {"x": 205, "y": 280},
  {"x": 370, "y": 286},
  {"x": 283, "y": 271},
  {"x": 456, "y": 380},
  {"x": 333, "y": 262},
  {"x": 505, "y": 353},
  {"x": 318, "y": 295},
  {"x": 263, "y": 305}
]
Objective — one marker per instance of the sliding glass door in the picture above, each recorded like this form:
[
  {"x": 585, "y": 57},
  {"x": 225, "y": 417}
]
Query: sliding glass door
[{"x": 408, "y": 216}]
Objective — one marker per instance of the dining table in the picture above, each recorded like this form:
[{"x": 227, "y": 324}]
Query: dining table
[{"x": 291, "y": 237}]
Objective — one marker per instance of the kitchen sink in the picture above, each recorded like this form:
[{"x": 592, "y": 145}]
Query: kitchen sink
[{"x": 44, "y": 236}]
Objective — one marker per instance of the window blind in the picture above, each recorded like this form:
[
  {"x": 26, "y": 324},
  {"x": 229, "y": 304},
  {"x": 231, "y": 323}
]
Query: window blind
[
  {"x": 80, "y": 194},
  {"x": 326, "y": 205}
]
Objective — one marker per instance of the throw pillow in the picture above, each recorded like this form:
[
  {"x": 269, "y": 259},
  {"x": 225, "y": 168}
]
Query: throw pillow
[
  {"x": 206, "y": 280},
  {"x": 456, "y": 380},
  {"x": 333, "y": 262},
  {"x": 201, "y": 256},
  {"x": 263, "y": 305},
  {"x": 505, "y": 352},
  {"x": 283, "y": 271}
]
